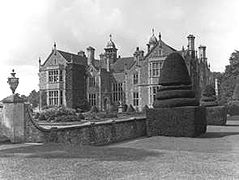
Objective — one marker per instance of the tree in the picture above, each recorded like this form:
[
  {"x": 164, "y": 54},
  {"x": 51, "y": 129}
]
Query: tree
[
  {"x": 228, "y": 79},
  {"x": 24, "y": 97},
  {"x": 34, "y": 98},
  {"x": 234, "y": 59}
]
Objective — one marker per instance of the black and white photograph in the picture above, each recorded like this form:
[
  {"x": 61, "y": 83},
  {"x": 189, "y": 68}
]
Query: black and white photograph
[{"x": 119, "y": 89}]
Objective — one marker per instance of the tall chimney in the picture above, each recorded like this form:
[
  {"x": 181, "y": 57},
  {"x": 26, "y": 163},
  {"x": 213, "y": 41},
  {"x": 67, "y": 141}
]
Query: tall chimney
[
  {"x": 191, "y": 46},
  {"x": 81, "y": 53},
  {"x": 202, "y": 52},
  {"x": 91, "y": 55}
]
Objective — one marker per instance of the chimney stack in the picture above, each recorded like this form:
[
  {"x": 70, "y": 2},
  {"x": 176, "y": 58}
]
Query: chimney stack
[
  {"x": 191, "y": 46},
  {"x": 91, "y": 55},
  {"x": 202, "y": 52},
  {"x": 81, "y": 53}
]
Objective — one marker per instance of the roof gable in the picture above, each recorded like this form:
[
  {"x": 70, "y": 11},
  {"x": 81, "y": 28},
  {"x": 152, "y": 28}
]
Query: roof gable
[
  {"x": 54, "y": 59},
  {"x": 122, "y": 64},
  {"x": 155, "y": 51},
  {"x": 70, "y": 57},
  {"x": 61, "y": 57}
]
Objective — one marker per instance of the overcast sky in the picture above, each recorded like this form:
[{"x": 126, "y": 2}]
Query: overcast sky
[{"x": 29, "y": 28}]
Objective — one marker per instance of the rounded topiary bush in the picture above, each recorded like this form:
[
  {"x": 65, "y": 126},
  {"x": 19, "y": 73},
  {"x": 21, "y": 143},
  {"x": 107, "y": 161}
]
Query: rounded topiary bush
[
  {"x": 174, "y": 71},
  {"x": 209, "y": 97}
]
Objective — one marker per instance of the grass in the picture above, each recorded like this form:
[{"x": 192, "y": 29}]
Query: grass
[{"x": 214, "y": 155}]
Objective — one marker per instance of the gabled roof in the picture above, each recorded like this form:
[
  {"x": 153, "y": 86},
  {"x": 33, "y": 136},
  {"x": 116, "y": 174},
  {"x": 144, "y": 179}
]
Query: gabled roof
[
  {"x": 122, "y": 64},
  {"x": 70, "y": 57},
  {"x": 164, "y": 46}
]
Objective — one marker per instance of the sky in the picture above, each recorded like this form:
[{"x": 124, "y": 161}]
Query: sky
[{"x": 28, "y": 30}]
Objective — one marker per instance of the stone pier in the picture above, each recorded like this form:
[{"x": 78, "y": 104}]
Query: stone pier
[{"x": 12, "y": 123}]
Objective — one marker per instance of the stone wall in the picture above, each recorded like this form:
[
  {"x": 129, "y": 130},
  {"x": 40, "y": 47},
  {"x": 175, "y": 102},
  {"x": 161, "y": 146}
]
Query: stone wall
[{"x": 99, "y": 133}]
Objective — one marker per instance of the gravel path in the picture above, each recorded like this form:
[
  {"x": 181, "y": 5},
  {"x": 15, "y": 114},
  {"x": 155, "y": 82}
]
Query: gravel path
[{"x": 214, "y": 155}]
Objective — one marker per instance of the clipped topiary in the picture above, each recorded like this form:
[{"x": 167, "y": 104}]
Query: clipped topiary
[
  {"x": 130, "y": 109},
  {"x": 208, "y": 97},
  {"x": 176, "y": 87},
  {"x": 174, "y": 71},
  {"x": 94, "y": 109}
]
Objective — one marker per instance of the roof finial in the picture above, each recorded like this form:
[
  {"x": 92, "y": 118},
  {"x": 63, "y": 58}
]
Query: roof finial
[
  {"x": 110, "y": 37},
  {"x": 39, "y": 60},
  {"x": 159, "y": 35},
  {"x": 55, "y": 48}
]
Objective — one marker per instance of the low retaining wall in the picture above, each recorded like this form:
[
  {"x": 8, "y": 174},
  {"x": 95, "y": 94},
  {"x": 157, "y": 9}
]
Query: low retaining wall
[{"x": 99, "y": 133}]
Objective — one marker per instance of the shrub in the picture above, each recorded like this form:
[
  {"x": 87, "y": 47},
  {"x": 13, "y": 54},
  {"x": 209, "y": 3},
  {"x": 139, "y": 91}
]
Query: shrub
[
  {"x": 113, "y": 108},
  {"x": 233, "y": 109},
  {"x": 94, "y": 109},
  {"x": 130, "y": 109},
  {"x": 145, "y": 108},
  {"x": 80, "y": 116},
  {"x": 83, "y": 105},
  {"x": 59, "y": 114},
  {"x": 209, "y": 91},
  {"x": 125, "y": 107},
  {"x": 37, "y": 115},
  {"x": 106, "y": 115}
]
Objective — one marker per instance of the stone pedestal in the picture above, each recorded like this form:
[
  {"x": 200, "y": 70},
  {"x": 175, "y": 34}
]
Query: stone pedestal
[
  {"x": 216, "y": 115},
  {"x": 187, "y": 121},
  {"x": 12, "y": 123}
]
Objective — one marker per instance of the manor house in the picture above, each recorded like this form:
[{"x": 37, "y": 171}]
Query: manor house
[{"x": 70, "y": 79}]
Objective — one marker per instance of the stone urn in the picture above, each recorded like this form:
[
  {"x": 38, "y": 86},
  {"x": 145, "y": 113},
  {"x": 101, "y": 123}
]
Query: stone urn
[{"x": 13, "y": 82}]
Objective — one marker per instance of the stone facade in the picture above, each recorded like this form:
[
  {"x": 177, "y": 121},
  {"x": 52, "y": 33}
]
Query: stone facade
[
  {"x": 111, "y": 78},
  {"x": 62, "y": 79}
]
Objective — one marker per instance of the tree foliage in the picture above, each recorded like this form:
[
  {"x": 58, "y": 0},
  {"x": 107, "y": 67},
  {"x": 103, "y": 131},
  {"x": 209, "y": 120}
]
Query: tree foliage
[
  {"x": 228, "y": 79},
  {"x": 34, "y": 98}
]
